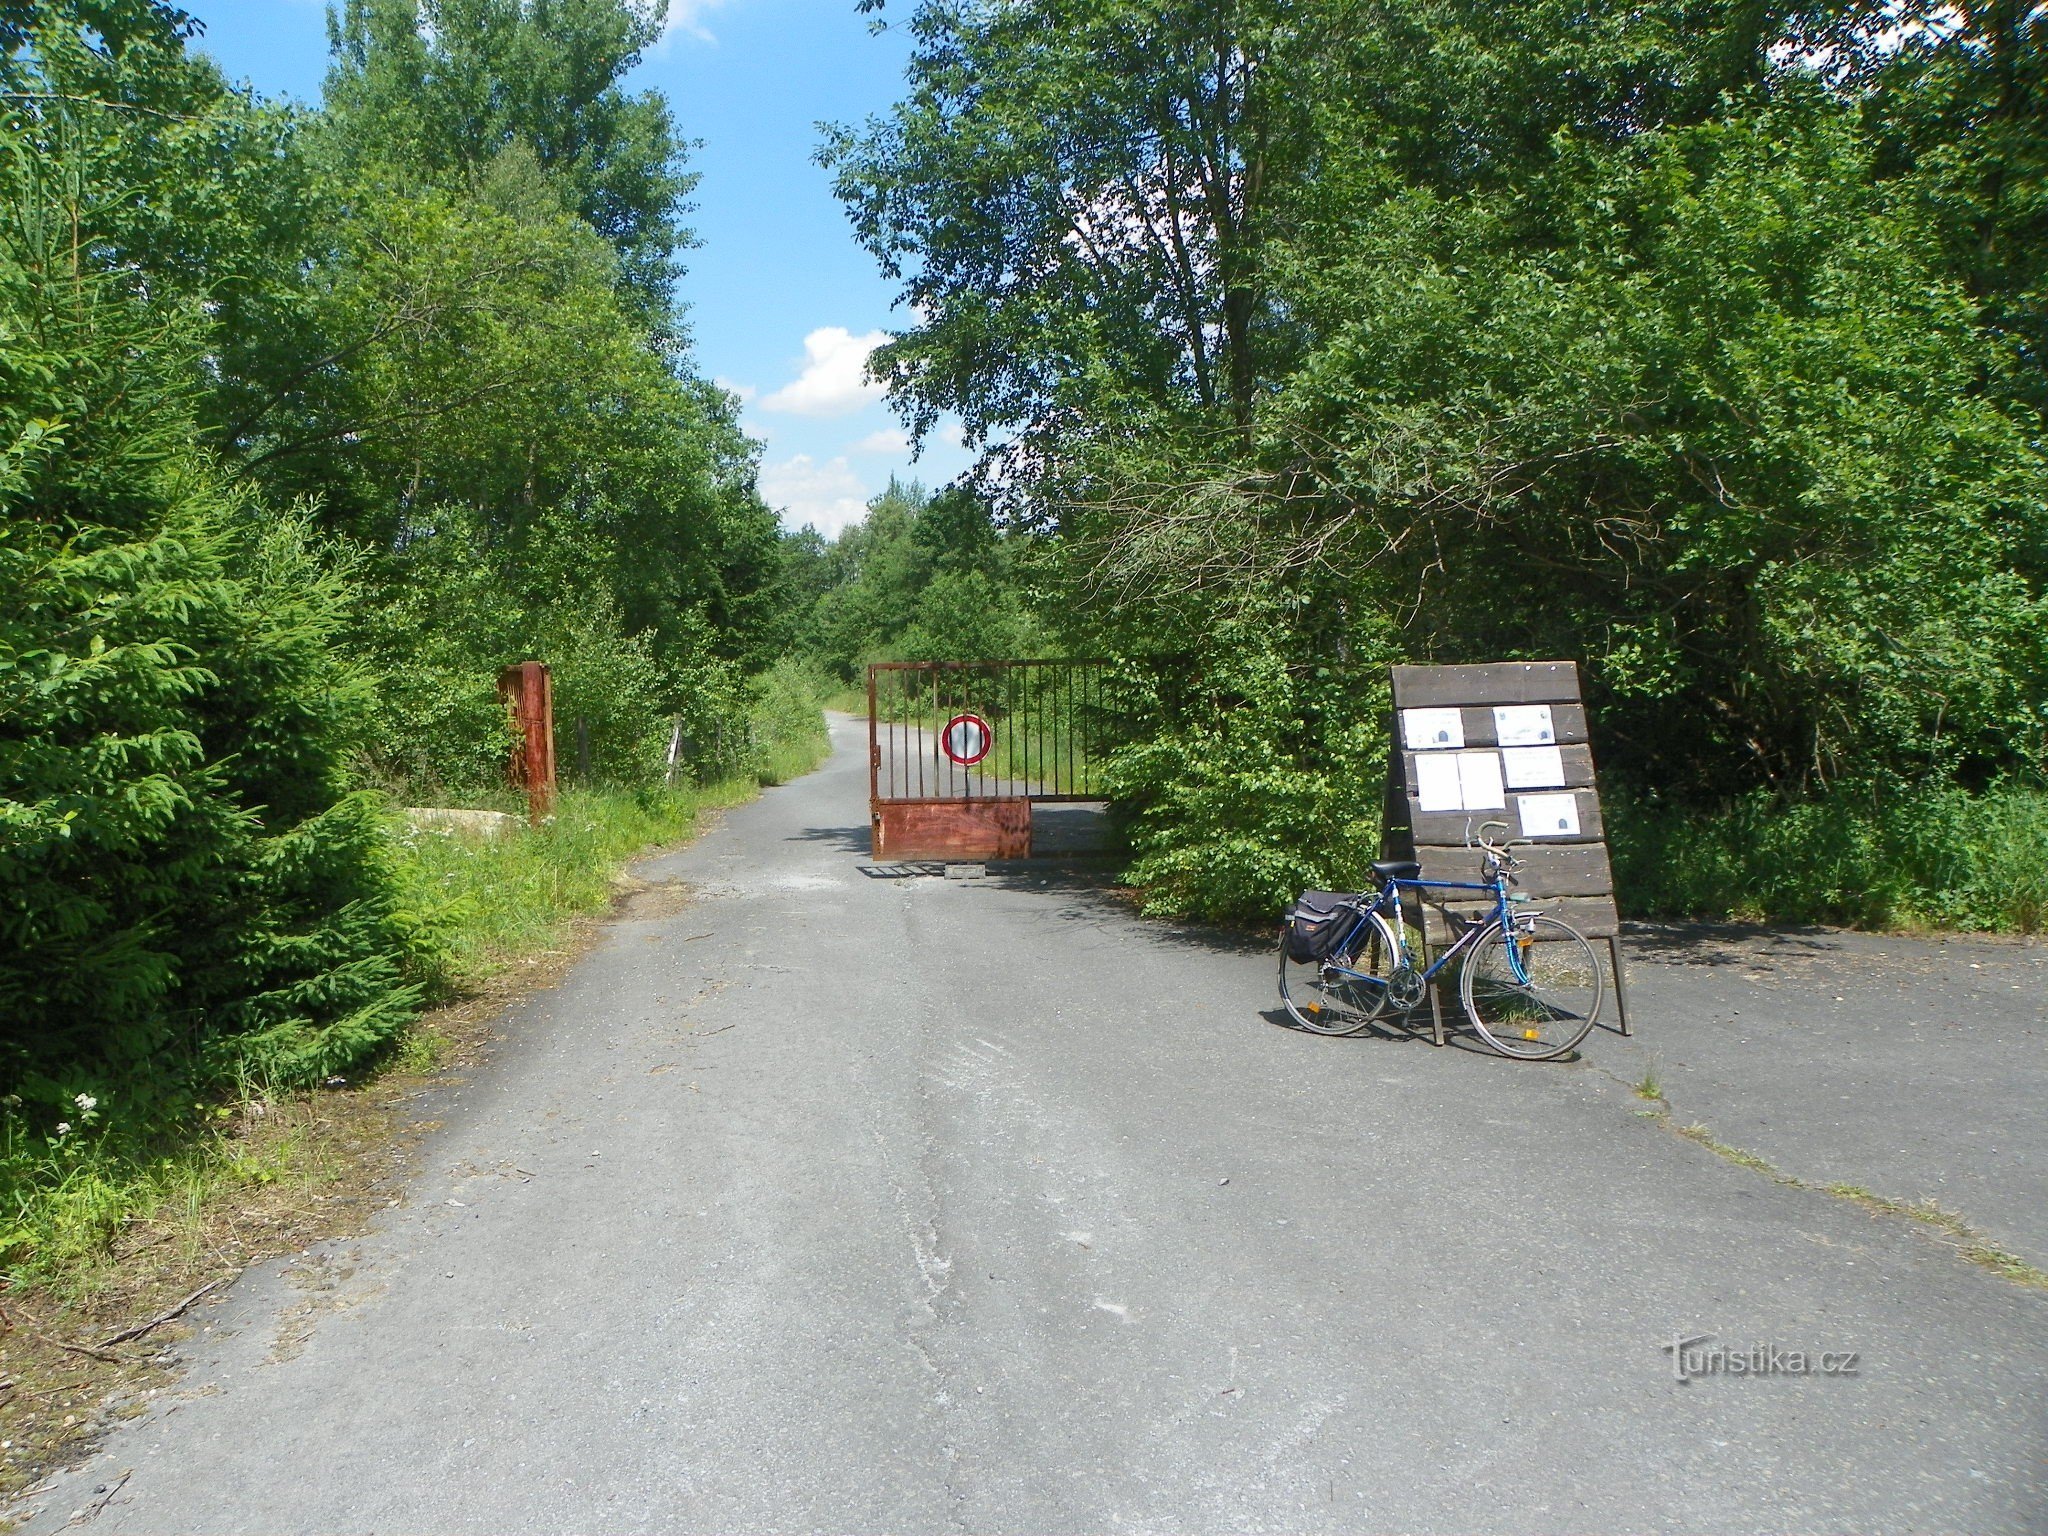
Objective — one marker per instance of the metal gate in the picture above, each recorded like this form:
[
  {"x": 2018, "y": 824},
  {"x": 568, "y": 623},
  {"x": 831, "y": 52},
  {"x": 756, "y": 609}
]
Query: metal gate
[{"x": 958, "y": 752}]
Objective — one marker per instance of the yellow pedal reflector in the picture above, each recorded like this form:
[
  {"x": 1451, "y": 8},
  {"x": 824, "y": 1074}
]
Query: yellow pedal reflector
[
  {"x": 1315, "y": 1007},
  {"x": 1530, "y": 1034}
]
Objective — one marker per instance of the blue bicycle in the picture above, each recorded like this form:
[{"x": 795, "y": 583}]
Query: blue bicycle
[{"x": 1531, "y": 984}]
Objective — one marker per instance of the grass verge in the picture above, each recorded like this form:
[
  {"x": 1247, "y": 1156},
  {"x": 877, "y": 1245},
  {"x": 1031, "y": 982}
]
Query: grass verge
[
  {"x": 849, "y": 700},
  {"x": 506, "y": 900},
  {"x": 1911, "y": 857}
]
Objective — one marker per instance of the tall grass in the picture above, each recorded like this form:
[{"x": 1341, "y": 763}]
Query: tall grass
[
  {"x": 847, "y": 698},
  {"x": 1920, "y": 857},
  {"x": 500, "y": 898}
]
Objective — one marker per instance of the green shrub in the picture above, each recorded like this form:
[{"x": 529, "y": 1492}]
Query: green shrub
[
  {"x": 449, "y": 622},
  {"x": 786, "y": 723},
  {"x": 1925, "y": 855},
  {"x": 1268, "y": 779}
]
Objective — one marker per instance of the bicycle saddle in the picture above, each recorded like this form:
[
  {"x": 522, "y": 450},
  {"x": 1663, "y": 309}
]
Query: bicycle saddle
[{"x": 1397, "y": 869}]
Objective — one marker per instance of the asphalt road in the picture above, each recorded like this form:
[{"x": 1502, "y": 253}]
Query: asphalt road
[{"x": 923, "y": 1205}]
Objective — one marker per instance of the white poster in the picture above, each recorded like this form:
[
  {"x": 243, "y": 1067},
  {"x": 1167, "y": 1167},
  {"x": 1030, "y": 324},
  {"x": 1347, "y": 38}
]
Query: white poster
[
  {"x": 1523, "y": 725},
  {"x": 1426, "y": 730},
  {"x": 1549, "y": 815},
  {"x": 1436, "y": 782},
  {"x": 1479, "y": 781},
  {"x": 1533, "y": 767}
]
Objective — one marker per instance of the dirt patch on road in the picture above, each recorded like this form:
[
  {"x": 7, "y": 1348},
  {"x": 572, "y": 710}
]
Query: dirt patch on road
[{"x": 643, "y": 901}]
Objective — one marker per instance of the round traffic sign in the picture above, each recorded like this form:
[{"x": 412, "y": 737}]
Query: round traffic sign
[{"x": 966, "y": 739}]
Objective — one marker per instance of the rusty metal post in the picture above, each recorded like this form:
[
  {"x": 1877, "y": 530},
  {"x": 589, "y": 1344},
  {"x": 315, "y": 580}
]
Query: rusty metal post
[
  {"x": 874, "y": 776},
  {"x": 529, "y": 694}
]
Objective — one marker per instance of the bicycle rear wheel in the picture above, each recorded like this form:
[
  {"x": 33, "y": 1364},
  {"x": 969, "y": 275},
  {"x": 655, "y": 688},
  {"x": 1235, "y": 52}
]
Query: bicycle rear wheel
[
  {"x": 1322, "y": 1000},
  {"x": 1553, "y": 1009}
]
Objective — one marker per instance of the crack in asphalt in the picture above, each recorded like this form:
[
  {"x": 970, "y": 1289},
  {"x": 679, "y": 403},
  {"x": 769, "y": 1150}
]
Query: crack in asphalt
[{"x": 1969, "y": 1242}]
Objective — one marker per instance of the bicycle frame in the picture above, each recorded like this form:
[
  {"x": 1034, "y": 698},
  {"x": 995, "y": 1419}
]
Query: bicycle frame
[{"x": 1390, "y": 896}]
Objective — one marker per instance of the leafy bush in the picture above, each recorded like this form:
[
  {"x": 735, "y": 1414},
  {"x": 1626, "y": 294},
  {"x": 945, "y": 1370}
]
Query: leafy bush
[
  {"x": 1930, "y": 855},
  {"x": 439, "y": 731},
  {"x": 1268, "y": 779},
  {"x": 786, "y": 723}
]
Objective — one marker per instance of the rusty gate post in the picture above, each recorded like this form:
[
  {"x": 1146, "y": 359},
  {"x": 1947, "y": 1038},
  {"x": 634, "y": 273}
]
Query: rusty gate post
[{"x": 528, "y": 693}]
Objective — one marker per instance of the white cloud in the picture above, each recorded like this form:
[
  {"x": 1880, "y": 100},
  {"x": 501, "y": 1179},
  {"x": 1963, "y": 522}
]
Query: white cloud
[
  {"x": 889, "y": 440},
  {"x": 834, "y": 380},
  {"x": 828, "y": 496},
  {"x": 745, "y": 392},
  {"x": 687, "y": 16}
]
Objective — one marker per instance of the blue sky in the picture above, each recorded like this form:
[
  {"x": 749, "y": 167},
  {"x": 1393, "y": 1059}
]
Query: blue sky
[{"x": 783, "y": 304}]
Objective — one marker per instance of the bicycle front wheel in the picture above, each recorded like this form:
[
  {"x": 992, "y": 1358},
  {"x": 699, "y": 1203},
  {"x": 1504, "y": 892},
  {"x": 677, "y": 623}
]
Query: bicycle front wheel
[
  {"x": 1542, "y": 1007},
  {"x": 1321, "y": 998}
]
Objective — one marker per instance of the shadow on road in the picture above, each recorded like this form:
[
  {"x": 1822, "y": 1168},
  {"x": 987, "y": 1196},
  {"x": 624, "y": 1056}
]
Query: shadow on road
[
  {"x": 1409, "y": 1030},
  {"x": 852, "y": 839},
  {"x": 1094, "y": 895},
  {"x": 1715, "y": 944},
  {"x": 1413, "y": 1028}
]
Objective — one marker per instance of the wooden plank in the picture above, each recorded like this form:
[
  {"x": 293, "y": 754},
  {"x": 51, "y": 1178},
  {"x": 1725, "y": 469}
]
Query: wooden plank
[
  {"x": 953, "y": 829},
  {"x": 1593, "y": 916},
  {"x": 1567, "y": 869},
  {"x": 1444, "y": 829},
  {"x": 1498, "y": 682}
]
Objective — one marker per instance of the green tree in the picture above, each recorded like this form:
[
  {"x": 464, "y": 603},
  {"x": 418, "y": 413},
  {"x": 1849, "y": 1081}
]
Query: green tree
[
  {"x": 1701, "y": 411},
  {"x": 1959, "y": 106},
  {"x": 1075, "y": 193},
  {"x": 1692, "y": 342},
  {"x": 922, "y": 578},
  {"x": 441, "y": 88},
  {"x": 190, "y": 890}
]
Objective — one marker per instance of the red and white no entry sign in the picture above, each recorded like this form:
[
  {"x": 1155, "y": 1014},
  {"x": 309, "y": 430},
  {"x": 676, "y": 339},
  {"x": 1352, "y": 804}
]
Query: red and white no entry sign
[{"x": 966, "y": 739}]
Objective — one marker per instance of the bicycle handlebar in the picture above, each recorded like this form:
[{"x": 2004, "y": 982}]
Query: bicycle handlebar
[{"x": 1498, "y": 859}]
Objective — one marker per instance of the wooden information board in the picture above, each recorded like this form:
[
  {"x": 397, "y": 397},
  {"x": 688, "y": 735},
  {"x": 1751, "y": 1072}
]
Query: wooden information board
[{"x": 1505, "y": 742}]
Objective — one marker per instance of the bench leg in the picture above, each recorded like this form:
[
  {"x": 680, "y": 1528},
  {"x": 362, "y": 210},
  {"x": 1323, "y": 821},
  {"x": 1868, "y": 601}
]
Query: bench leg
[
  {"x": 1620, "y": 983},
  {"x": 1436, "y": 1002}
]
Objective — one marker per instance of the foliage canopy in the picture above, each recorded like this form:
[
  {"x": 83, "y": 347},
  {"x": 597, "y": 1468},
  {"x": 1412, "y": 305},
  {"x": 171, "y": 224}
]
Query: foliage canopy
[{"x": 1701, "y": 343}]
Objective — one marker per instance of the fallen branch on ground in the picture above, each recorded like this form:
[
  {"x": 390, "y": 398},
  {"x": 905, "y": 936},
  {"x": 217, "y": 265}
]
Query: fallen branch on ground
[
  {"x": 161, "y": 1318},
  {"x": 84, "y": 1349},
  {"x": 108, "y": 1497}
]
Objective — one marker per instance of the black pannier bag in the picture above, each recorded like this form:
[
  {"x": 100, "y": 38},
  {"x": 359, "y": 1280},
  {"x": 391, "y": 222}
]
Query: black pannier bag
[{"x": 1319, "y": 921}]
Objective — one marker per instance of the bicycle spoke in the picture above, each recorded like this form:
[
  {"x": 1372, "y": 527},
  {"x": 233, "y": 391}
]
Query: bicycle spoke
[
  {"x": 1342, "y": 995},
  {"x": 1541, "y": 1000}
]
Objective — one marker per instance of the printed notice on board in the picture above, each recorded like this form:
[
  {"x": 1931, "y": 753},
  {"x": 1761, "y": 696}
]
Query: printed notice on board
[
  {"x": 1459, "y": 781},
  {"x": 1428, "y": 730},
  {"x": 1549, "y": 815},
  {"x": 1436, "y": 783},
  {"x": 1479, "y": 781},
  {"x": 1523, "y": 725},
  {"x": 1533, "y": 767}
]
